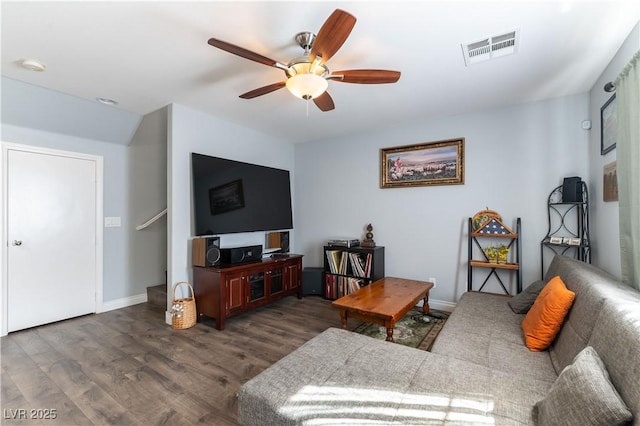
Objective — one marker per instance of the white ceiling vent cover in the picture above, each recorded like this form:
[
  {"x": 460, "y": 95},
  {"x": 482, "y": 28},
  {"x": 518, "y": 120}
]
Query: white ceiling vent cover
[{"x": 491, "y": 47}]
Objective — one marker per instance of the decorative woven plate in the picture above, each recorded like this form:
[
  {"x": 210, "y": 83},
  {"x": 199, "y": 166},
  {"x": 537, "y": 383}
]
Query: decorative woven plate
[{"x": 484, "y": 216}]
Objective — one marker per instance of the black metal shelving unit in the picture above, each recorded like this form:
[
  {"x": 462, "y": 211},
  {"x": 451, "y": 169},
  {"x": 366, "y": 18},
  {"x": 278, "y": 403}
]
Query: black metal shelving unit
[{"x": 568, "y": 232}]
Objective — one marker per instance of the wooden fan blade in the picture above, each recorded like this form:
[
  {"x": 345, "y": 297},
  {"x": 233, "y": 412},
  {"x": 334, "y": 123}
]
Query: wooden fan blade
[
  {"x": 263, "y": 90},
  {"x": 244, "y": 53},
  {"x": 324, "y": 102},
  {"x": 367, "y": 76},
  {"x": 332, "y": 35}
]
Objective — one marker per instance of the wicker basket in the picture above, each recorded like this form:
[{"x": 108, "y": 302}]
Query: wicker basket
[{"x": 183, "y": 311}]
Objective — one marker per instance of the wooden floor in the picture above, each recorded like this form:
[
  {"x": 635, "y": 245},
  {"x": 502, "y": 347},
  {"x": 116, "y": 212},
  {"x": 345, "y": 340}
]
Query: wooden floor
[{"x": 128, "y": 367}]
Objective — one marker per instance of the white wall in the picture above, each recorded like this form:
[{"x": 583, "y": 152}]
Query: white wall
[
  {"x": 37, "y": 116},
  {"x": 147, "y": 197},
  {"x": 194, "y": 131},
  {"x": 514, "y": 157},
  {"x": 34, "y": 107},
  {"x": 116, "y": 251},
  {"x": 605, "y": 235}
]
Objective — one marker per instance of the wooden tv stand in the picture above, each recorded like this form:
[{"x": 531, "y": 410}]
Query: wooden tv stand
[{"x": 222, "y": 292}]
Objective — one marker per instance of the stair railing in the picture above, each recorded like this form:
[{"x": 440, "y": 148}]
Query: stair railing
[{"x": 150, "y": 221}]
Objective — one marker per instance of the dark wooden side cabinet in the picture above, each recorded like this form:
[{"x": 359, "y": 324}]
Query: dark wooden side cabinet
[{"x": 222, "y": 292}]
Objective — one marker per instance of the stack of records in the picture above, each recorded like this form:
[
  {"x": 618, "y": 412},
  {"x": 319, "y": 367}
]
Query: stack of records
[{"x": 344, "y": 242}]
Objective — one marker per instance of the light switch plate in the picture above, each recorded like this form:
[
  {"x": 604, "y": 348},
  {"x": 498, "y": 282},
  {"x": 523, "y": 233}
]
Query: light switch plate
[{"x": 112, "y": 222}]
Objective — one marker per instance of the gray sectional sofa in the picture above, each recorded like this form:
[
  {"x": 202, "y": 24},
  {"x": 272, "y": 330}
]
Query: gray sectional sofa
[{"x": 478, "y": 371}]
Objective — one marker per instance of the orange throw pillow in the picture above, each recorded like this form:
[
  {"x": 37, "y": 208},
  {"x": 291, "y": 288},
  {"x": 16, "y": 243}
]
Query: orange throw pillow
[{"x": 544, "y": 319}]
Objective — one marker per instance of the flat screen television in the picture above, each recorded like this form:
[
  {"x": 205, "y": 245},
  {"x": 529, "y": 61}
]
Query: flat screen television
[{"x": 231, "y": 196}]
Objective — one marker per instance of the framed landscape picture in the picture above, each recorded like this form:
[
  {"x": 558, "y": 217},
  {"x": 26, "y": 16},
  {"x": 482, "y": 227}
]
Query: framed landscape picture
[
  {"x": 432, "y": 163},
  {"x": 608, "y": 125}
]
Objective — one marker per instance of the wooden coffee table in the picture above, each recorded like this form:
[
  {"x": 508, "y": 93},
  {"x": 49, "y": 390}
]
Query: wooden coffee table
[{"x": 384, "y": 302}]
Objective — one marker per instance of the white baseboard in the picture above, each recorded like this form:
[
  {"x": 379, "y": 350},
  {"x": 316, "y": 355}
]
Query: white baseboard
[
  {"x": 123, "y": 302},
  {"x": 441, "y": 305}
]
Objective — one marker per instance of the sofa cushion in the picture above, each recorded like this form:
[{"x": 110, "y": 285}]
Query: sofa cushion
[
  {"x": 342, "y": 377},
  {"x": 583, "y": 395},
  {"x": 543, "y": 321},
  {"x": 484, "y": 330},
  {"x": 616, "y": 338},
  {"x": 591, "y": 286},
  {"x": 462, "y": 393},
  {"x": 337, "y": 374},
  {"x": 522, "y": 302}
]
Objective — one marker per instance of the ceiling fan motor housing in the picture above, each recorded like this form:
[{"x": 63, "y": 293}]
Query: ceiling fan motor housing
[{"x": 305, "y": 40}]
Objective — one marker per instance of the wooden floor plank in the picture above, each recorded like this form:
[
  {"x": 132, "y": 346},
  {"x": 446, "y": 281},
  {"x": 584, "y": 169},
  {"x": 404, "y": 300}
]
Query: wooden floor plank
[
  {"x": 11, "y": 395},
  {"x": 123, "y": 377},
  {"x": 94, "y": 403},
  {"x": 128, "y": 367},
  {"x": 40, "y": 393}
]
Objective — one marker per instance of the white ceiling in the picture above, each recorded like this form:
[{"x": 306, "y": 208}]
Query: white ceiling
[{"x": 146, "y": 55}]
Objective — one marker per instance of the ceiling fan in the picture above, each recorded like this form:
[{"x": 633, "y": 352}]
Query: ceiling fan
[{"x": 307, "y": 76}]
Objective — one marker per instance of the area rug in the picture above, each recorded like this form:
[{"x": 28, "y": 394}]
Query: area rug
[{"x": 415, "y": 329}]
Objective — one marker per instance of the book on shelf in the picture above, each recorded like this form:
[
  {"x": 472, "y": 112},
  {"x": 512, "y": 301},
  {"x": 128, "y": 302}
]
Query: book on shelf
[
  {"x": 349, "y": 263},
  {"x": 331, "y": 260},
  {"x": 343, "y": 262},
  {"x": 356, "y": 266},
  {"x": 354, "y": 284},
  {"x": 338, "y": 261},
  {"x": 337, "y": 286}
]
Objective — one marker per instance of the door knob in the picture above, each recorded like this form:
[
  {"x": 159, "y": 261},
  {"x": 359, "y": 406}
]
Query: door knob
[{"x": 17, "y": 242}]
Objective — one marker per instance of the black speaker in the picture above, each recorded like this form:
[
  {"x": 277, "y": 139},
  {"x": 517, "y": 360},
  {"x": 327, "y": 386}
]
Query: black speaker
[
  {"x": 206, "y": 251},
  {"x": 572, "y": 190},
  {"x": 235, "y": 255},
  {"x": 284, "y": 241},
  {"x": 312, "y": 281}
]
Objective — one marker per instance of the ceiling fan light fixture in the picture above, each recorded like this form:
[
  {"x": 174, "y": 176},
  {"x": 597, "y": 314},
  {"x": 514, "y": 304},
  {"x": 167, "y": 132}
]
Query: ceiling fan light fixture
[
  {"x": 307, "y": 86},
  {"x": 306, "y": 79}
]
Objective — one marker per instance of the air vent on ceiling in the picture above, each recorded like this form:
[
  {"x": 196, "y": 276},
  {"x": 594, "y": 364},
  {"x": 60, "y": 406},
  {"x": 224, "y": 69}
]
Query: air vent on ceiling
[{"x": 491, "y": 47}]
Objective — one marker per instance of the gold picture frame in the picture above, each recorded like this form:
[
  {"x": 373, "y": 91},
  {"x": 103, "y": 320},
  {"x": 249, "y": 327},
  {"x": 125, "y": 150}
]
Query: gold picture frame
[{"x": 423, "y": 164}]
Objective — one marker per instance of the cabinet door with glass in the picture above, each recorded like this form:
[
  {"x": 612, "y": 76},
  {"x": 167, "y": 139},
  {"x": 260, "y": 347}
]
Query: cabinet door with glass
[
  {"x": 256, "y": 287},
  {"x": 276, "y": 281}
]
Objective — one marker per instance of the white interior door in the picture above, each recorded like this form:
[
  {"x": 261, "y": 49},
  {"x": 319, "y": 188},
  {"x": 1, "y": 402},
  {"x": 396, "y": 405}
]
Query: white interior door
[{"x": 51, "y": 233}]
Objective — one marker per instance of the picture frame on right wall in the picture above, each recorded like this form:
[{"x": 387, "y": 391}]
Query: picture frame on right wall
[
  {"x": 608, "y": 126},
  {"x": 610, "y": 182}
]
